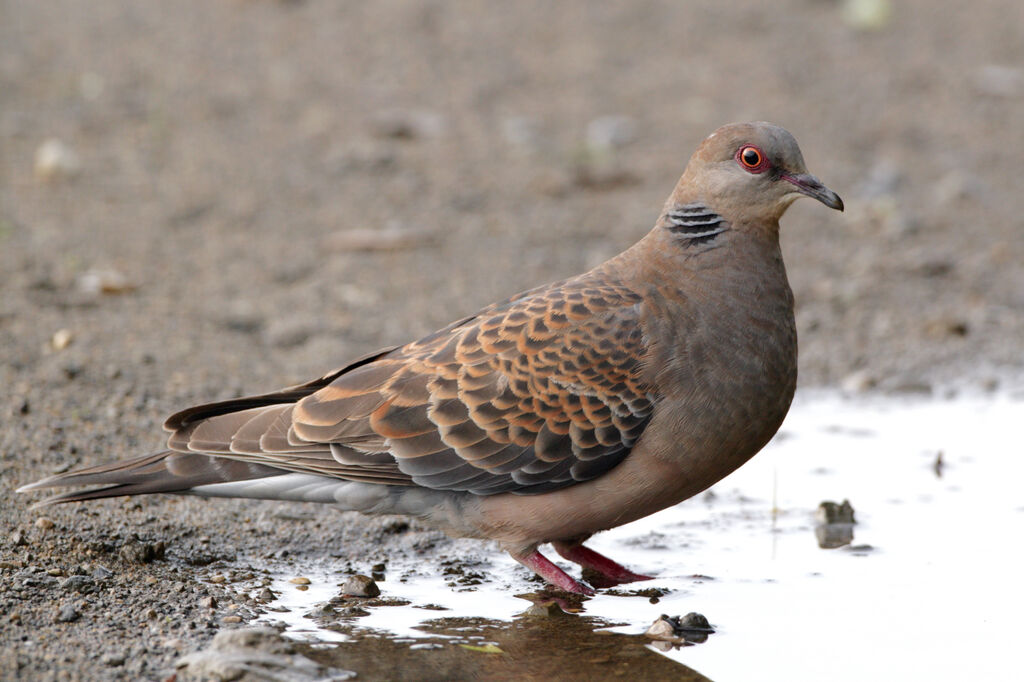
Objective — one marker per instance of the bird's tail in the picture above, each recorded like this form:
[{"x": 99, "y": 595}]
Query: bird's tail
[
  {"x": 163, "y": 472},
  {"x": 210, "y": 476}
]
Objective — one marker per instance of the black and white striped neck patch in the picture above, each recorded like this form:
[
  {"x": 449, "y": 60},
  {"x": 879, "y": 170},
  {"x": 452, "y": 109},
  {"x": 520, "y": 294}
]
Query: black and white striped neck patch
[{"x": 695, "y": 222}]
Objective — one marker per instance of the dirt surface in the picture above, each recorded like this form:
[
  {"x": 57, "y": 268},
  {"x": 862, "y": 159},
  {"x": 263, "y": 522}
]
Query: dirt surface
[{"x": 197, "y": 231}]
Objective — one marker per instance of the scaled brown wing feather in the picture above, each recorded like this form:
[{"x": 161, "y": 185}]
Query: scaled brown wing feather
[{"x": 530, "y": 395}]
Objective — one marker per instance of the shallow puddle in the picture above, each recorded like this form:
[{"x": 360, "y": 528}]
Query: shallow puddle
[{"x": 927, "y": 587}]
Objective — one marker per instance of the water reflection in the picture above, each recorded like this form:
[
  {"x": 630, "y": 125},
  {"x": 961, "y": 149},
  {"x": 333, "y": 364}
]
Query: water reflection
[{"x": 566, "y": 647}]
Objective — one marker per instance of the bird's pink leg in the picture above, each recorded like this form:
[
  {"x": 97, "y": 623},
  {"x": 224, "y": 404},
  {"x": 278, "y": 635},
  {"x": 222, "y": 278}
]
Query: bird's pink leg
[
  {"x": 536, "y": 562},
  {"x": 588, "y": 558}
]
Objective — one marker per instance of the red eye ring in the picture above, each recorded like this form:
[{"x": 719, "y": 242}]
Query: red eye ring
[{"x": 752, "y": 159}]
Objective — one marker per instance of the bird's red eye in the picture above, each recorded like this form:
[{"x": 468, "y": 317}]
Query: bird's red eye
[{"x": 752, "y": 159}]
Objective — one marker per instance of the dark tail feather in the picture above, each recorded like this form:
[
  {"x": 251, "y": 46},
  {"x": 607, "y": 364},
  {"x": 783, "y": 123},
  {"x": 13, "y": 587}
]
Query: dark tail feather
[{"x": 163, "y": 472}]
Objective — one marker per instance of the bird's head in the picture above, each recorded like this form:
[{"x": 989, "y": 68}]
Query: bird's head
[{"x": 750, "y": 172}]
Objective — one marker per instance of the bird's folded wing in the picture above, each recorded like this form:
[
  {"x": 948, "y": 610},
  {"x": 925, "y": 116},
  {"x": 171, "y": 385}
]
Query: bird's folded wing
[{"x": 533, "y": 394}]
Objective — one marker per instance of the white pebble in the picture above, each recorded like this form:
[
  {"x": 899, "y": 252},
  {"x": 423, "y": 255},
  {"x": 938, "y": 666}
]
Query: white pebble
[
  {"x": 55, "y": 160},
  {"x": 62, "y": 339}
]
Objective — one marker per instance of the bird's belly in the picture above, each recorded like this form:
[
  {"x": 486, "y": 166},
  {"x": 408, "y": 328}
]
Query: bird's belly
[{"x": 635, "y": 488}]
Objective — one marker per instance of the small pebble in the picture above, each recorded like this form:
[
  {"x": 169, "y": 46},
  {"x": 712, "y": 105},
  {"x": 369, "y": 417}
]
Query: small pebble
[
  {"x": 208, "y": 602},
  {"x": 830, "y": 512},
  {"x": 299, "y": 581},
  {"x": 694, "y": 621},
  {"x": 79, "y": 583},
  {"x": 142, "y": 552},
  {"x": 691, "y": 627},
  {"x": 231, "y": 619},
  {"x": 104, "y": 281},
  {"x": 68, "y": 614},
  {"x": 947, "y": 326},
  {"x": 548, "y": 609},
  {"x": 44, "y": 523},
  {"x": 62, "y": 338},
  {"x": 101, "y": 573},
  {"x": 360, "y": 586},
  {"x": 661, "y": 629},
  {"x": 55, "y": 161},
  {"x": 867, "y": 15}
]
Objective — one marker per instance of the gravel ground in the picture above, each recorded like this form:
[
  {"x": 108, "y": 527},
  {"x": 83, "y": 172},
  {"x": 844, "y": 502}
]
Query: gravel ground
[{"x": 200, "y": 199}]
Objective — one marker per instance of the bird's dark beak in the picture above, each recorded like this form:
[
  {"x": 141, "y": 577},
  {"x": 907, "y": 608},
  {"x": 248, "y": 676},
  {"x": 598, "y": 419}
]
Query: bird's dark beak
[{"x": 806, "y": 183}]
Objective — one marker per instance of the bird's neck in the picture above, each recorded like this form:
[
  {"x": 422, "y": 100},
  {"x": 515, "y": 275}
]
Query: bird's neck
[{"x": 711, "y": 311}]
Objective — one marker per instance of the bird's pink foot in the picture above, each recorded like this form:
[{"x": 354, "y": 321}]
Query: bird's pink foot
[
  {"x": 614, "y": 572},
  {"x": 539, "y": 564}
]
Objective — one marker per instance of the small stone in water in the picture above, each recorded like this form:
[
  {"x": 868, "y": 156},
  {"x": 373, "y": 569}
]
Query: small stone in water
[
  {"x": 661, "y": 629},
  {"x": 830, "y": 512},
  {"x": 693, "y": 621},
  {"x": 299, "y": 581},
  {"x": 547, "y": 609},
  {"x": 693, "y": 627},
  {"x": 360, "y": 586}
]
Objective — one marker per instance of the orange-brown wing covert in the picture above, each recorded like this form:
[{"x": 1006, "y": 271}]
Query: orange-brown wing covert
[{"x": 529, "y": 395}]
